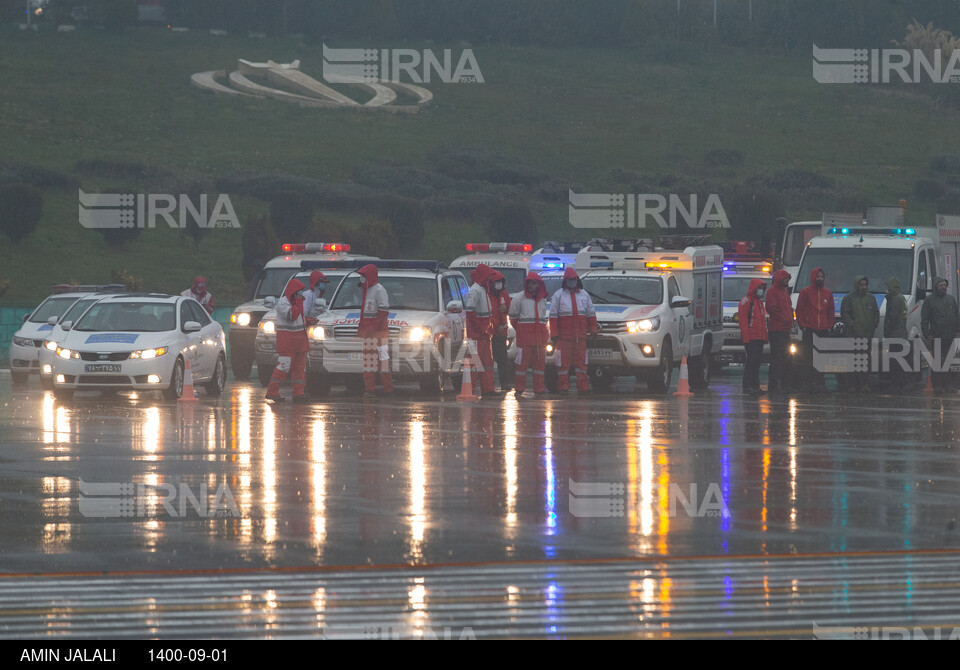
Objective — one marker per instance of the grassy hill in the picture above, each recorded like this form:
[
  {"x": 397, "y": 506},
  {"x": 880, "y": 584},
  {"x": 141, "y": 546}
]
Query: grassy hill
[{"x": 613, "y": 121}]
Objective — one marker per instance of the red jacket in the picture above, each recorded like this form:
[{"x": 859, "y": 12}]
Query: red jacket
[
  {"x": 529, "y": 314},
  {"x": 779, "y": 306},
  {"x": 479, "y": 305},
  {"x": 572, "y": 315},
  {"x": 815, "y": 308},
  {"x": 291, "y": 329},
  {"x": 752, "y": 315},
  {"x": 374, "y": 305}
]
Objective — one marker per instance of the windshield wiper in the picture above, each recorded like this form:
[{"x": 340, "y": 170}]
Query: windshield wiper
[
  {"x": 635, "y": 301},
  {"x": 597, "y": 298}
]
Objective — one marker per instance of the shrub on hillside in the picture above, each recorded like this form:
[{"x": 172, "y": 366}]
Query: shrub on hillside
[
  {"x": 484, "y": 165},
  {"x": 406, "y": 219},
  {"x": 945, "y": 163},
  {"x": 291, "y": 214},
  {"x": 723, "y": 158},
  {"x": 35, "y": 176},
  {"x": 373, "y": 237},
  {"x": 259, "y": 244},
  {"x": 118, "y": 238},
  {"x": 20, "y": 208},
  {"x": 513, "y": 221},
  {"x": 928, "y": 189},
  {"x": 133, "y": 284}
]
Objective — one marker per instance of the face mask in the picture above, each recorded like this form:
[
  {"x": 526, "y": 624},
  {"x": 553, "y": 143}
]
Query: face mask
[
  {"x": 363, "y": 281},
  {"x": 498, "y": 285},
  {"x": 760, "y": 293},
  {"x": 571, "y": 283},
  {"x": 318, "y": 290}
]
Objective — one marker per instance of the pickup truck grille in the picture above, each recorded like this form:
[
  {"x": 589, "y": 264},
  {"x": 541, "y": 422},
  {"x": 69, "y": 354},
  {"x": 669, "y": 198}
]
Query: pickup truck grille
[{"x": 350, "y": 332}]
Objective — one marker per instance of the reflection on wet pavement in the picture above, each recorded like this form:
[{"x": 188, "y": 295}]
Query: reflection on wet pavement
[{"x": 763, "y": 493}]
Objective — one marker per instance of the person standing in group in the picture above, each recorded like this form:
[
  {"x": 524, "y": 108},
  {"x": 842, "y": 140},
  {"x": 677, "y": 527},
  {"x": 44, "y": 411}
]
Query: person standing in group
[
  {"x": 815, "y": 316},
  {"x": 940, "y": 323},
  {"x": 860, "y": 316},
  {"x": 780, "y": 309},
  {"x": 479, "y": 307},
  {"x": 292, "y": 343},
  {"x": 500, "y": 300},
  {"x": 895, "y": 327},
  {"x": 374, "y": 331},
  {"x": 313, "y": 303},
  {"x": 200, "y": 293},
  {"x": 572, "y": 319},
  {"x": 528, "y": 311},
  {"x": 753, "y": 330}
]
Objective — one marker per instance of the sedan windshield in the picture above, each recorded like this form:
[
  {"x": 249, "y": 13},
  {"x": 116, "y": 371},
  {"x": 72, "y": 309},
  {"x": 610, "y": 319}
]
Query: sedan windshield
[
  {"x": 840, "y": 266},
  {"x": 624, "y": 290},
  {"x": 51, "y": 307},
  {"x": 137, "y": 317},
  {"x": 416, "y": 293}
]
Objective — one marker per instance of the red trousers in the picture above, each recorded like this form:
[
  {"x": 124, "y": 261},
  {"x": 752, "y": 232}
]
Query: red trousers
[
  {"x": 531, "y": 356},
  {"x": 484, "y": 366},
  {"x": 296, "y": 366},
  {"x": 376, "y": 358},
  {"x": 572, "y": 353}
]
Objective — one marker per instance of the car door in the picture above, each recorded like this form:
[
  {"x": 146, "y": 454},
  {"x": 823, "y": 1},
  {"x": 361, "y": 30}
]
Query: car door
[
  {"x": 681, "y": 318},
  {"x": 210, "y": 341},
  {"x": 459, "y": 326},
  {"x": 193, "y": 342}
]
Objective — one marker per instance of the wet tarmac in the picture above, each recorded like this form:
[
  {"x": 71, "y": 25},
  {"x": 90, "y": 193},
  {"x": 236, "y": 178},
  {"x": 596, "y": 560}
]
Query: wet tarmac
[{"x": 624, "y": 514}]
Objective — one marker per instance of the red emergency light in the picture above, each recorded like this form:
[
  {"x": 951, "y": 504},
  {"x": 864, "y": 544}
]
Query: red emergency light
[
  {"x": 501, "y": 246},
  {"x": 315, "y": 247},
  {"x": 291, "y": 248}
]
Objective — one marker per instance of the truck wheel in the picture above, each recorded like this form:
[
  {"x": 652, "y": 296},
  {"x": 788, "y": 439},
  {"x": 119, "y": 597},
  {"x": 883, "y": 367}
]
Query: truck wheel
[
  {"x": 241, "y": 363},
  {"x": 218, "y": 382},
  {"x": 660, "y": 382},
  {"x": 175, "y": 390},
  {"x": 600, "y": 378},
  {"x": 716, "y": 365},
  {"x": 318, "y": 385},
  {"x": 432, "y": 383},
  {"x": 697, "y": 370},
  {"x": 265, "y": 374}
]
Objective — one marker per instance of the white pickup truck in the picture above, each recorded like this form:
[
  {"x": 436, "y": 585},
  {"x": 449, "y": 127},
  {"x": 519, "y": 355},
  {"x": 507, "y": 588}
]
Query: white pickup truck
[{"x": 653, "y": 308}]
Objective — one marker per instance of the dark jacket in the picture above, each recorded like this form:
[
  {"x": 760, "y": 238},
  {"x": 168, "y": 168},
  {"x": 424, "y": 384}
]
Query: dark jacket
[
  {"x": 895, "y": 320},
  {"x": 939, "y": 317},
  {"x": 859, "y": 314}
]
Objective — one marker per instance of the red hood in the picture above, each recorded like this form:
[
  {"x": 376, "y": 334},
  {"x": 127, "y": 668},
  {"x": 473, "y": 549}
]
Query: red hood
[
  {"x": 199, "y": 280},
  {"x": 755, "y": 284},
  {"x": 482, "y": 274},
  {"x": 570, "y": 273},
  {"x": 541, "y": 286},
  {"x": 813, "y": 276},
  {"x": 293, "y": 286},
  {"x": 371, "y": 273},
  {"x": 779, "y": 276},
  {"x": 495, "y": 276},
  {"x": 317, "y": 276}
]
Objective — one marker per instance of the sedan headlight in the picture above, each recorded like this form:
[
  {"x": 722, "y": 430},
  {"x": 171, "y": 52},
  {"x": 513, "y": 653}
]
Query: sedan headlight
[
  {"x": 316, "y": 333},
  {"x": 67, "y": 353},
  {"x": 49, "y": 345},
  {"x": 22, "y": 342},
  {"x": 268, "y": 327},
  {"x": 146, "y": 354},
  {"x": 643, "y": 326},
  {"x": 419, "y": 334},
  {"x": 241, "y": 319}
]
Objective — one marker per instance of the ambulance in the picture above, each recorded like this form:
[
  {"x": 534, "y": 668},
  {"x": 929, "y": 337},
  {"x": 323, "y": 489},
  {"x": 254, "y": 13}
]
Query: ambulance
[
  {"x": 880, "y": 245},
  {"x": 269, "y": 282},
  {"x": 511, "y": 259},
  {"x": 654, "y": 307}
]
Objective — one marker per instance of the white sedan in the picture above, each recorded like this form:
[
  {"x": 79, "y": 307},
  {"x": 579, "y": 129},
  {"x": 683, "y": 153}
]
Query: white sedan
[{"x": 141, "y": 342}]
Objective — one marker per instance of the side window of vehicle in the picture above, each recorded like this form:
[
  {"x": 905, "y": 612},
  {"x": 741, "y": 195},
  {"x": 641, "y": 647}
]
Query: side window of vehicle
[
  {"x": 933, "y": 263},
  {"x": 464, "y": 289},
  {"x": 198, "y": 313},
  {"x": 449, "y": 287},
  {"x": 673, "y": 288},
  {"x": 922, "y": 271},
  {"x": 184, "y": 315}
]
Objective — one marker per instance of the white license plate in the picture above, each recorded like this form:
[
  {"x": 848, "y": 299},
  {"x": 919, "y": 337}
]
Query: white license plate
[
  {"x": 100, "y": 367},
  {"x": 602, "y": 354},
  {"x": 355, "y": 357}
]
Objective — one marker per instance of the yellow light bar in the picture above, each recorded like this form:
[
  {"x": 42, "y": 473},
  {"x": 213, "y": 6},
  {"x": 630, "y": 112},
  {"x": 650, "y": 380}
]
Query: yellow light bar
[{"x": 659, "y": 266}]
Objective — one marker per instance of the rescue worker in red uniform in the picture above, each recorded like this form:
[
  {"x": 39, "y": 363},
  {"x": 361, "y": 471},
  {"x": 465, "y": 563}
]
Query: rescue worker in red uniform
[
  {"x": 199, "y": 293},
  {"x": 753, "y": 331},
  {"x": 313, "y": 302},
  {"x": 780, "y": 311},
  {"x": 815, "y": 316},
  {"x": 528, "y": 312},
  {"x": 501, "y": 306},
  {"x": 292, "y": 343},
  {"x": 572, "y": 319},
  {"x": 480, "y": 325},
  {"x": 374, "y": 331}
]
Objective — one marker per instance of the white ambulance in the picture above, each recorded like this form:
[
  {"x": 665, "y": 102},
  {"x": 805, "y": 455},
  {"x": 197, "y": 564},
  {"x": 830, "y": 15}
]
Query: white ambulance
[
  {"x": 654, "y": 307},
  {"x": 269, "y": 282}
]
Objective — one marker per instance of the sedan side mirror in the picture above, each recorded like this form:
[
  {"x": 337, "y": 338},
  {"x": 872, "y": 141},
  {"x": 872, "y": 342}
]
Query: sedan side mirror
[
  {"x": 52, "y": 321},
  {"x": 191, "y": 327},
  {"x": 270, "y": 302},
  {"x": 454, "y": 307},
  {"x": 680, "y": 301},
  {"x": 66, "y": 325},
  {"x": 25, "y": 317}
]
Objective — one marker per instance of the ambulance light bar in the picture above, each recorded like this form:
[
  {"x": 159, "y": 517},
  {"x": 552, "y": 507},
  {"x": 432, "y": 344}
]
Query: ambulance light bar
[
  {"x": 314, "y": 247},
  {"x": 872, "y": 231},
  {"x": 501, "y": 246}
]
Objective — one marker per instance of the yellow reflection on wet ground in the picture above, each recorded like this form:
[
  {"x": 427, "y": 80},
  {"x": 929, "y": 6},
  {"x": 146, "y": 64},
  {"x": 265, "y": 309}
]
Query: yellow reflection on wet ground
[
  {"x": 318, "y": 484},
  {"x": 418, "y": 491},
  {"x": 510, "y": 468}
]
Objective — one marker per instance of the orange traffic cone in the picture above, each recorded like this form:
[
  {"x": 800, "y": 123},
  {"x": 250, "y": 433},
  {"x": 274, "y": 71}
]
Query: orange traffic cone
[
  {"x": 683, "y": 386},
  {"x": 466, "y": 387},
  {"x": 188, "y": 394}
]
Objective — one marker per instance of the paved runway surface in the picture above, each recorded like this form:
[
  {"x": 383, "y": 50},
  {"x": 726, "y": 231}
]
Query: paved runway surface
[{"x": 624, "y": 515}]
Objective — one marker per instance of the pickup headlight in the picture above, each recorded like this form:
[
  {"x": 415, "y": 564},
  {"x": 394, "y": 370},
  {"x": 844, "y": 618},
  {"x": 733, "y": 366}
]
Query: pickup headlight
[
  {"x": 268, "y": 327},
  {"x": 22, "y": 342},
  {"x": 316, "y": 333},
  {"x": 147, "y": 354},
  {"x": 241, "y": 319},
  {"x": 67, "y": 353},
  {"x": 643, "y": 326},
  {"x": 49, "y": 345},
  {"x": 419, "y": 334}
]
